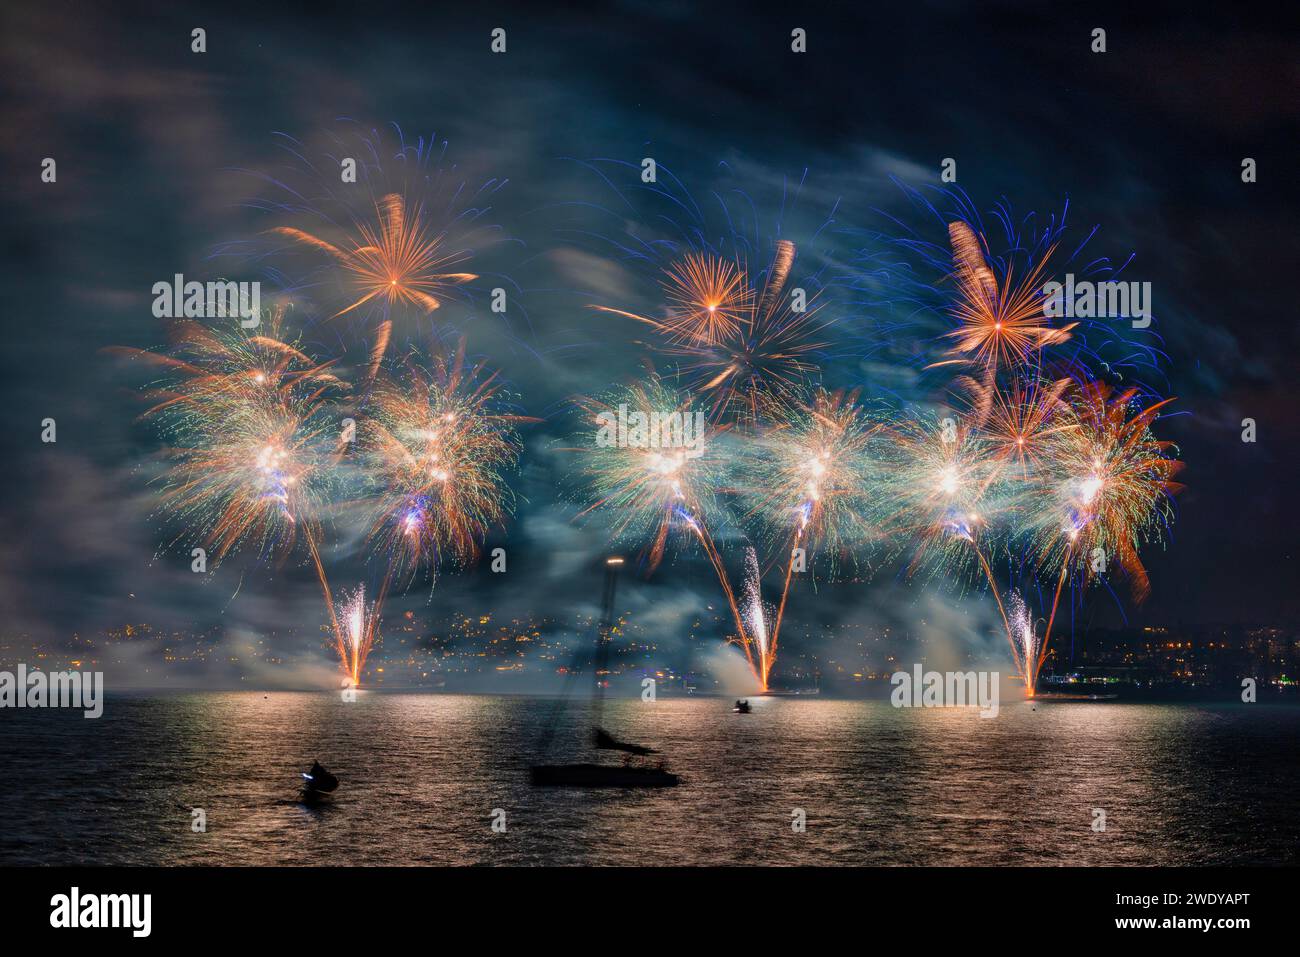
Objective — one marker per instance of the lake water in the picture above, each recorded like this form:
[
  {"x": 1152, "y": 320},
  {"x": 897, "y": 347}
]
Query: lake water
[{"x": 421, "y": 775}]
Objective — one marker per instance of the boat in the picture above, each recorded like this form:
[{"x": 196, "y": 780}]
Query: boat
[
  {"x": 318, "y": 780},
  {"x": 629, "y": 774},
  {"x": 742, "y": 707}
]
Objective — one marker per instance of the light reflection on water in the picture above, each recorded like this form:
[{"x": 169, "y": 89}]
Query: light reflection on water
[{"x": 421, "y": 775}]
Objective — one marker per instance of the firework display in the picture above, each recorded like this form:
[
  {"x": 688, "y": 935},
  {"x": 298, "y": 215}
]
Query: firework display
[
  {"x": 257, "y": 452},
  {"x": 1024, "y": 462},
  {"x": 259, "y": 434},
  {"x": 1018, "y": 473}
]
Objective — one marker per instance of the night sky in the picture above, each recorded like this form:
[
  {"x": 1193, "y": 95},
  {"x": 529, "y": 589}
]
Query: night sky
[{"x": 165, "y": 156}]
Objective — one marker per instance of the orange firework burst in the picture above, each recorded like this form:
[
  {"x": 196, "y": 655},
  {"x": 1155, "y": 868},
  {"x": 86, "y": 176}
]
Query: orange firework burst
[
  {"x": 708, "y": 300},
  {"x": 1024, "y": 423},
  {"x": 1114, "y": 480},
  {"x": 998, "y": 324},
  {"x": 739, "y": 338},
  {"x": 397, "y": 262}
]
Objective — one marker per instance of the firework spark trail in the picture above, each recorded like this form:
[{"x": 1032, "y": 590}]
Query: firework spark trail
[
  {"x": 777, "y": 275},
  {"x": 993, "y": 588},
  {"x": 1021, "y": 627},
  {"x": 742, "y": 637},
  {"x": 361, "y": 622},
  {"x": 756, "y": 617},
  {"x": 335, "y": 630},
  {"x": 1037, "y": 665}
]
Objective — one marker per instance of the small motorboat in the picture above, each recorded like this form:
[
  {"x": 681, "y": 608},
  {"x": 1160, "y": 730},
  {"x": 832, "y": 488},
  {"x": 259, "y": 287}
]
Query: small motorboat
[
  {"x": 742, "y": 707},
  {"x": 318, "y": 780}
]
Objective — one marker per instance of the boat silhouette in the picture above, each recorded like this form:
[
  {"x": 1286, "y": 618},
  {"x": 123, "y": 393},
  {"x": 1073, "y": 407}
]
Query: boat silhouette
[
  {"x": 629, "y": 774},
  {"x": 318, "y": 780}
]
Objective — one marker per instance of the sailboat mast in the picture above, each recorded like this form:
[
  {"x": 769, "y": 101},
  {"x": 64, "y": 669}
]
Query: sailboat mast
[{"x": 612, "y": 566}]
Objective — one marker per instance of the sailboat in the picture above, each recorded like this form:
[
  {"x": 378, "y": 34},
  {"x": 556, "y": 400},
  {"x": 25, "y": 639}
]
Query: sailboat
[{"x": 629, "y": 774}]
